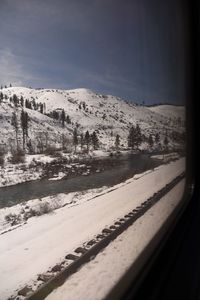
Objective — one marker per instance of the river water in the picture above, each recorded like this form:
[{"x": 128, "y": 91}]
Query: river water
[{"x": 128, "y": 166}]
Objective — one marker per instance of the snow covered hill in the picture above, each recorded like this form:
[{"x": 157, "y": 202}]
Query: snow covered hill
[
  {"x": 86, "y": 110},
  {"x": 167, "y": 111}
]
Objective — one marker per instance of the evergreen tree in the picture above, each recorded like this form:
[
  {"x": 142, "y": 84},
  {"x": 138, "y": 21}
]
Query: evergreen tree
[
  {"x": 104, "y": 116},
  {"x": 30, "y": 146},
  {"x": 150, "y": 141},
  {"x": 166, "y": 142},
  {"x": 41, "y": 108},
  {"x": 82, "y": 141},
  {"x": 63, "y": 141},
  {"x": 26, "y": 122},
  {"x": 63, "y": 118},
  {"x": 138, "y": 136},
  {"x": 34, "y": 104},
  {"x": 131, "y": 137},
  {"x": 15, "y": 100},
  {"x": 117, "y": 142},
  {"x": 87, "y": 140},
  {"x": 55, "y": 115},
  {"x": 75, "y": 139},
  {"x": 157, "y": 138},
  {"x": 68, "y": 120},
  {"x": 22, "y": 101},
  {"x": 1, "y": 97},
  {"x": 14, "y": 123},
  {"x": 95, "y": 140},
  {"x": 24, "y": 126},
  {"x": 10, "y": 85}
]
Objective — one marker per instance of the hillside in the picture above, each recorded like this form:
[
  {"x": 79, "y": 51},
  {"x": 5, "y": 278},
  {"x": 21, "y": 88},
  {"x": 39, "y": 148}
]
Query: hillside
[
  {"x": 86, "y": 110},
  {"x": 167, "y": 111}
]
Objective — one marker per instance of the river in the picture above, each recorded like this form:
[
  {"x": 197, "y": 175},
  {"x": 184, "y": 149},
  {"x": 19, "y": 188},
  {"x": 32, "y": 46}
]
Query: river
[{"x": 128, "y": 166}]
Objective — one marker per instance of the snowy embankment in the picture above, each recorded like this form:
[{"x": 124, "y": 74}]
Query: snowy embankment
[
  {"x": 96, "y": 278},
  {"x": 45, "y": 240},
  {"x": 166, "y": 157}
]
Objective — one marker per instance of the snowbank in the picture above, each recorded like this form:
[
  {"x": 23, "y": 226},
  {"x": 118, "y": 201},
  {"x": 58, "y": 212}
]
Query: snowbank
[{"x": 95, "y": 279}]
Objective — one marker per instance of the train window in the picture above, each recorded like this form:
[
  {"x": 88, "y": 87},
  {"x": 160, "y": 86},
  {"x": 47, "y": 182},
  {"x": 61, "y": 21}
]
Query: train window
[{"x": 92, "y": 141}]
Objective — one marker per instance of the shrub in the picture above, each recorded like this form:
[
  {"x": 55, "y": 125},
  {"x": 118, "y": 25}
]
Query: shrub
[
  {"x": 18, "y": 156},
  {"x": 30, "y": 213},
  {"x": 57, "y": 154},
  {"x": 1, "y": 161},
  {"x": 50, "y": 150},
  {"x": 44, "y": 208},
  {"x": 2, "y": 153},
  {"x": 13, "y": 219}
]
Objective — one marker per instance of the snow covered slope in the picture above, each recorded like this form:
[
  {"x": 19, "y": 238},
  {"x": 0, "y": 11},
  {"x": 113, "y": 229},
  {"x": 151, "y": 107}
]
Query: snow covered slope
[
  {"x": 167, "y": 111},
  {"x": 87, "y": 110}
]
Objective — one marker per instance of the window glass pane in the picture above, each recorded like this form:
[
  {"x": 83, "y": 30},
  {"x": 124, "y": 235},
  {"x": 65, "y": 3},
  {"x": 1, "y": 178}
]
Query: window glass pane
[{"x": 92, "y": 140}]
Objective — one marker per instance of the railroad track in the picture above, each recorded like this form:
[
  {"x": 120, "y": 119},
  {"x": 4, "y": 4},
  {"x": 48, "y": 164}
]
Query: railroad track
[{"x": 84, "y": 254}]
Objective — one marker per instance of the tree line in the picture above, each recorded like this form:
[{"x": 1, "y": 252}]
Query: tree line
[
  {"x": 85, "y": 139},
  {"x": 37, "y": 106},
  {"x": 135, "y": 138}
]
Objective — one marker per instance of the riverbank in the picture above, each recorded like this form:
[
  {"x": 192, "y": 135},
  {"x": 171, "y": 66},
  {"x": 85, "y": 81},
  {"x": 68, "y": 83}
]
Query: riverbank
[
  {"x": 61, "y": 166},
  {"x": 54, "y": 166},
  {"x": 100, "y": 172}
]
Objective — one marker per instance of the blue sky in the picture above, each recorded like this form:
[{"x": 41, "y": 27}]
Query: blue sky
[{"x": 134, "y": 49}]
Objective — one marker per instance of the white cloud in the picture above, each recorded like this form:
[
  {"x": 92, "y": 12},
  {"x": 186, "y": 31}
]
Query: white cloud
[{"x": 11, "y": 70}]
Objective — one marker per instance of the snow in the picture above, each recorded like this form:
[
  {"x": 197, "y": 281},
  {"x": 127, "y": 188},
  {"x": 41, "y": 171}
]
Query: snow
[
  {"x": 60, "y": 176},
  {"x": 165, "y": 110},
  {"x": 45, "y": 240},
  {"x": 11, "y": 174},
  {"x": 107, "y": 114},
  {"x": 33, "y": 166},
  {"x": 96, "y": 278},
  {"x": 166, "y": 157}
]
